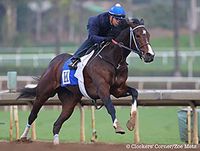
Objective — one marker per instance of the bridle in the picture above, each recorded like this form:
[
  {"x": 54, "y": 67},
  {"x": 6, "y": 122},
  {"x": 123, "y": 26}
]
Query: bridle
[{"x": 137, "y": 49}]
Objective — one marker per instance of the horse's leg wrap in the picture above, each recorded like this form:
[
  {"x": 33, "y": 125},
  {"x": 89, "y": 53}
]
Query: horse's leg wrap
[
  {"x": 56, "y": 139},
  {"x": 26, "y": 130},
  {"x": 133, "y": 115},
  {"x": 33, "y": 115}
]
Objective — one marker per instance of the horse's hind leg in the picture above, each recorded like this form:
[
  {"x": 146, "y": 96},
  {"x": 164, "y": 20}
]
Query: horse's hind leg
[
  {"x": 41, "y": 98},
  {"x": 69, "y": 101},
  {"x": 33, "y": 115}
]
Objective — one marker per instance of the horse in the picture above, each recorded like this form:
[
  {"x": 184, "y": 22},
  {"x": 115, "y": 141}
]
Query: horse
[{"x": 104, "y": 75}]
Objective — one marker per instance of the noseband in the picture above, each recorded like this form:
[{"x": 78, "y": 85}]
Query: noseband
[{"x": 132, "y": 37}]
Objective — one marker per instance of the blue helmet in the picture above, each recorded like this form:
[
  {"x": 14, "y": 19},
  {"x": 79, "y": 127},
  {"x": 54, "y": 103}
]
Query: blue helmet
[{"x": 117, "y": 11}]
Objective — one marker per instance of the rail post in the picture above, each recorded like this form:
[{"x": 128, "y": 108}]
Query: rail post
[
  {"x": 195, "y": 139},
  {"x": 136, "y": 130},
  {"x": 94, "y": 132},
  {"x": 82, "y": 124},
  {"x": 33, "y": 131},
  {"x": 195, "y": 128},
  {"x": 11, "y": 124},
  {"x": 189, "y": 125}
]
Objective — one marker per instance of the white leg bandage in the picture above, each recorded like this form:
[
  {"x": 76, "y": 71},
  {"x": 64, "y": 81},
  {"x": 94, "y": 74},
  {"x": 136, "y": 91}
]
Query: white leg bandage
[
  {"x": 56, "y": 139},
  {"x": 25, "y": 133},
  {"x": 115, "y": 123},
  {"x": 134, "y": 107}
]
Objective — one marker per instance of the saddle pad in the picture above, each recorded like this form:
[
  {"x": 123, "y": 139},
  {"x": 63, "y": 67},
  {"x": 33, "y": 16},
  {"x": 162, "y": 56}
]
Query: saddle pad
[
  {"x": 79, "y": 73},
  {"x": 68, "y": 75}
]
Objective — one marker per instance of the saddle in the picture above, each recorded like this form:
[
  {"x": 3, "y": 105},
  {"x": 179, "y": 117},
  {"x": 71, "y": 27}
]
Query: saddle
[
  {"x": 96, "y": 47},
  {"x": 75, "y": 76}
]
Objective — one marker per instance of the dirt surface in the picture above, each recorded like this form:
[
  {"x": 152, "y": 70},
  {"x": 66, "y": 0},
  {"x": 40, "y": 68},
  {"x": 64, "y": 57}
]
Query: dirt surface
[{"x": 48, "y": 146}]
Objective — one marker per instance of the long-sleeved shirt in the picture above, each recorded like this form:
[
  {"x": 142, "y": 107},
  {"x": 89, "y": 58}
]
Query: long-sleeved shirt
[{"x": 98, "y": 27}]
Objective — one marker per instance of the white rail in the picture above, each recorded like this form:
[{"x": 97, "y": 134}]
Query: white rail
[
  {"x": 145, "y": 98},
  {"x": 186, "y": 57}
]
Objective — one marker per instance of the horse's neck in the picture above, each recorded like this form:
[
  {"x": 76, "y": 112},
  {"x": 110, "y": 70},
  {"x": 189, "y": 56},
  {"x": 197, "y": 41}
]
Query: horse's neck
[
  {"x": 124, "y": 38},
  {"x": 113, "y": 53}
]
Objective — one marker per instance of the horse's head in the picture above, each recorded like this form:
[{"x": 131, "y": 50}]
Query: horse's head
[{"x": 139, "y": 40}]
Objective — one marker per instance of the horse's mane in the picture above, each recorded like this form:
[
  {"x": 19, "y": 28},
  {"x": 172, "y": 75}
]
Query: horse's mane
[
  {"x": 123, "y": 25},
  {"x": 137, "y": 21}
]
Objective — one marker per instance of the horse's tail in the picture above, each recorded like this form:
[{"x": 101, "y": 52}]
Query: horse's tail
[{"x": 27, "y": 93}]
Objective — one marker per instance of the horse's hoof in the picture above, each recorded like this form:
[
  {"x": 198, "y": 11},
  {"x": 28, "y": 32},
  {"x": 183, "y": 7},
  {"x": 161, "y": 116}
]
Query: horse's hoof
[
  {"x": 131, "y": 122},
  {"x": 56, "y": 141},
  {"x": 94, "y": 137},
  {"x": 119, "y": 129},
  {"x": 130, "y": 125},
  {"x": 24, "y": 140}
]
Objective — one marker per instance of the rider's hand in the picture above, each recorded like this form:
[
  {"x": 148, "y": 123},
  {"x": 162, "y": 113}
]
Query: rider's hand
[{"x": 108, "y": 39}]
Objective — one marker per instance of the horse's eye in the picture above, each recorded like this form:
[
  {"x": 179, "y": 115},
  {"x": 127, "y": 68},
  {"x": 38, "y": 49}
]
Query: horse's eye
[{"x": 137, "y": 36}]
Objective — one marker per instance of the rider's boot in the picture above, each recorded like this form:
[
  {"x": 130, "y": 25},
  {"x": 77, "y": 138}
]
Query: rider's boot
[{"x": 74, "y": 62}]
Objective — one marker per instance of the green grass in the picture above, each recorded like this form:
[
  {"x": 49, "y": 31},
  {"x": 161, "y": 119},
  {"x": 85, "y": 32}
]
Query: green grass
[
  {"x": 136, "y": 67},
  {"x": 158, "y": 68},
  {"x": 167, "y": 42},
  {"x": 162, "y": 43},
  {"x": 157, "y": 125}
]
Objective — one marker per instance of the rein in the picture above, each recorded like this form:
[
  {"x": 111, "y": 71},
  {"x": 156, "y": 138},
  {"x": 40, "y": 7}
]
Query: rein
[
  {"x": 127, "y": 48},
  {"x": 132, "y": 37},
  {"x": 137, "y": 50}
]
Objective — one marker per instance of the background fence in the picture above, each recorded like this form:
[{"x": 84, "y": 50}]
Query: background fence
[
  {"x": 163, "y": 64},
  {"x": 145, "y": 98}
]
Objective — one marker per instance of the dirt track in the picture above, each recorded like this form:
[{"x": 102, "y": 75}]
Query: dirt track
[{"x": 48, "y": 146}]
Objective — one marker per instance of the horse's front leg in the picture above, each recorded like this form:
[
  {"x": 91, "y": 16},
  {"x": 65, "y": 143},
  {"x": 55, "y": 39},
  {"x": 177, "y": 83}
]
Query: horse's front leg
[
  {"x": 133, "y": 115},
  {"x": 124, "y": 91},
  {"x": 104, "y": 94}
]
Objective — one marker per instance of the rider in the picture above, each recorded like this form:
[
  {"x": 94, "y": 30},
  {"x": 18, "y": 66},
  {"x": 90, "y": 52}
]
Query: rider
[{"x": 98, "y": 27}]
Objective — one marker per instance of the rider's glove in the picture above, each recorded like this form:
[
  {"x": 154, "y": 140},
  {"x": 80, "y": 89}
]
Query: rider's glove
[{"x": 108, "y": 39}]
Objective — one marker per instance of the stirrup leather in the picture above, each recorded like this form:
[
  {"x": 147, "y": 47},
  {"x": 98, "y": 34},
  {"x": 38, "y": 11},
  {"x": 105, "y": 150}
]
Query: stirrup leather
[{"x": 74, "y": 63}]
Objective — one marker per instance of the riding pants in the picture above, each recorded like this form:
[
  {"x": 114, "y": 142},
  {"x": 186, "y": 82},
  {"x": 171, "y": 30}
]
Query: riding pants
[{"x": 83, "y": 49}]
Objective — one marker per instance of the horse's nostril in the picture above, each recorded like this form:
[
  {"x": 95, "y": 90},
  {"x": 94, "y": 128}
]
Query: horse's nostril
[
  {"x": 149, "y": 54},
  {"x": 149, "y": 57}
]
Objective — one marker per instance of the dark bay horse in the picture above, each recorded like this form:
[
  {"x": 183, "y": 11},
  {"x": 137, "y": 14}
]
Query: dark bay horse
[{"x": 104, "y": 75}]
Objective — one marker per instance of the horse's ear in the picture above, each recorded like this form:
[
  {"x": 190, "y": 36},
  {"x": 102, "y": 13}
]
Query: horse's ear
[
  {"x": 142, "y": 21},
  {"x": 128, "y": 21}
]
